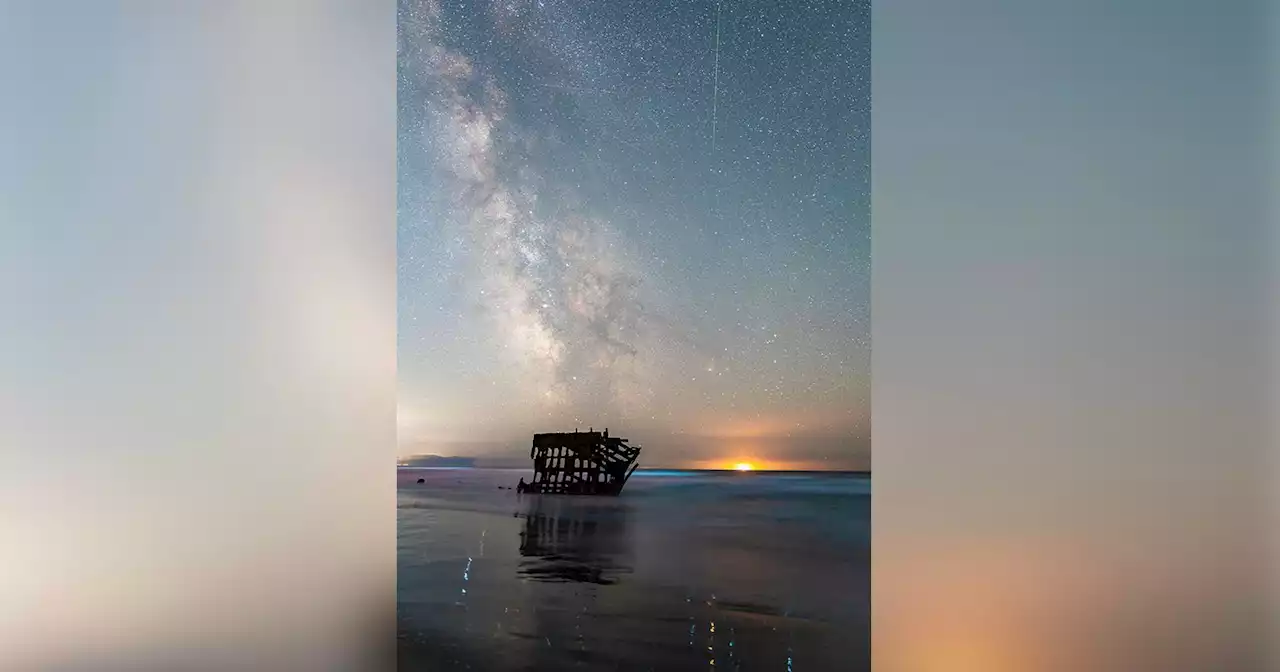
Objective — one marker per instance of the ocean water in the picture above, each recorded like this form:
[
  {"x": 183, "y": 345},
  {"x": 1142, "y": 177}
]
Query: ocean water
[{"x": 683, "y": 571}]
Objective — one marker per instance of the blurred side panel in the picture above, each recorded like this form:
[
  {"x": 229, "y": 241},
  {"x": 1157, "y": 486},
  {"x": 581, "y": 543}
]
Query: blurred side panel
[
  {"x": 197, "y": 335},
  {"x": 1273, "y": 265},
  {"x": 1071, "y": 316}
]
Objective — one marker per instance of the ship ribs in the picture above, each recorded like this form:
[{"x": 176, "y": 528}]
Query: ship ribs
[{"x": 581, "y": 463}]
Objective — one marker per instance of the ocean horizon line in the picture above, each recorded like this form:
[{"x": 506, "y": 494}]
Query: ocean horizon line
[{"x": 652, "y": 470}]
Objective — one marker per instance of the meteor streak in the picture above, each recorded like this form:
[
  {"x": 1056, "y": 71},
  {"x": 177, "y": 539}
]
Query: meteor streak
[{"x": 715, "y": 86}]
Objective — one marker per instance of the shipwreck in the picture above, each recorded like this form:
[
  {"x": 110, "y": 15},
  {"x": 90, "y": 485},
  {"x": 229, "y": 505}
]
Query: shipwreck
[{"x": 580, "y": 463}]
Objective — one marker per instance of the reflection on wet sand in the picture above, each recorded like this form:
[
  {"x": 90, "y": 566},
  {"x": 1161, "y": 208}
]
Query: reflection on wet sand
[
  {"x": 567, "y": 540},
  {"x": 681, "y": 573}
]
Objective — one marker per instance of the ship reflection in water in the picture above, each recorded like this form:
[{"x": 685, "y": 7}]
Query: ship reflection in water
[
  {"x": 564, "y": 540},
  {"x": 682, "y": 571}
]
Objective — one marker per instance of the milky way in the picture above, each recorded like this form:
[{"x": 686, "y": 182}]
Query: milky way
[{"x": 571, "y": 253}]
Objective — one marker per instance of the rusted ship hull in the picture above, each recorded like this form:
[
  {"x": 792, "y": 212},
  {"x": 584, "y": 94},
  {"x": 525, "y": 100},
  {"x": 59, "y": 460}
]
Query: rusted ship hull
[{"x": 580, "y": 463}]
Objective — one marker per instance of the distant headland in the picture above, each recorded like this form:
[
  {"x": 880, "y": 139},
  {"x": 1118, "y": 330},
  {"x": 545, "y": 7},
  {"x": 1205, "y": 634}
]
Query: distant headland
[{"x": 437, "y": 461}]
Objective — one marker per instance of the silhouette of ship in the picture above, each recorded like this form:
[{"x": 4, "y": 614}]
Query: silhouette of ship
[{"x": 580, "y": 463}]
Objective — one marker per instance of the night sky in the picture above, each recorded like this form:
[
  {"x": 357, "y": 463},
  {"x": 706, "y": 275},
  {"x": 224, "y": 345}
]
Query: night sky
[{"x": 605, "y": 219}]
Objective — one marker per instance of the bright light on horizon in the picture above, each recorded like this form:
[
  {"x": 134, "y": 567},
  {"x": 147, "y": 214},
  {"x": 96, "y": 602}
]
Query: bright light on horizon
[{"x": 743, "y": 466}]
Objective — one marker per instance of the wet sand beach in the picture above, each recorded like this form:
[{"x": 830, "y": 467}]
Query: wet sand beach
[{"x": 683, "y": 571}]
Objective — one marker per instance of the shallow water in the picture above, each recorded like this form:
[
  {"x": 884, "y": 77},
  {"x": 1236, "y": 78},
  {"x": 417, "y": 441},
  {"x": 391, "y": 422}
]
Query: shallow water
[{"x": 683, "y": 571}]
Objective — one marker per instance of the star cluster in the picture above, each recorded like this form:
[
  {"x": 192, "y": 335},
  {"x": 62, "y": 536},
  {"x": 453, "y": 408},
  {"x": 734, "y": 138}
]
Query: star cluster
[{"x": 648, "y": 215}]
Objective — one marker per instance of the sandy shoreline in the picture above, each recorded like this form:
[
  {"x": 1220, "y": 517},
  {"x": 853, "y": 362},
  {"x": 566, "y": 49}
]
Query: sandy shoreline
[{"x": 672, "y": 576}]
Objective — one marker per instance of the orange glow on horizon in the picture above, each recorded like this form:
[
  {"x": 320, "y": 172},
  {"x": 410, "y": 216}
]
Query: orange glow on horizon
[
  {"x": 731, "y": 461},
  {"x": 745, "y": 464}
]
